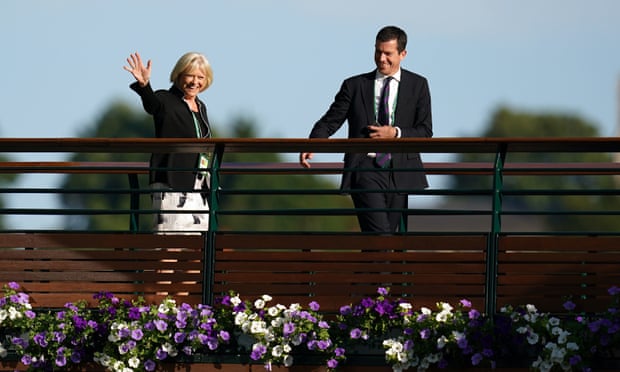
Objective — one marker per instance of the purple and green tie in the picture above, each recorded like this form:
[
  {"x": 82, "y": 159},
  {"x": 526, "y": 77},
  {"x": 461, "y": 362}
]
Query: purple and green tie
[{"x": 383, "y": 118}]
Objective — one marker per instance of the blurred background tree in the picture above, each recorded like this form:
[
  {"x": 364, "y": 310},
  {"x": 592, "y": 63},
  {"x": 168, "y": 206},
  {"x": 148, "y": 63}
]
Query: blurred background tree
[
  {"x": 6, "y": 179},
  {"x": 508, "y": 123}
]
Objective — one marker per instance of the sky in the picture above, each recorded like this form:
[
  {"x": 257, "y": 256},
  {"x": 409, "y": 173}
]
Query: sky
[{"x": 280, "y": 62}]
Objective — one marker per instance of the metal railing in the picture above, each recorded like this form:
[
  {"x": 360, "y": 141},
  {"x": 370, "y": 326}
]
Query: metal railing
[{"x": 492, "y": 214}]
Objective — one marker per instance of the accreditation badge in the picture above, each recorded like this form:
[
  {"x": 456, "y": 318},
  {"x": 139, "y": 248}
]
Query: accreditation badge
[{"x": 203, "y": 163}]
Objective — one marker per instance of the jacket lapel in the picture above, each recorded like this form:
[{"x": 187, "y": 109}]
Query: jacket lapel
[{"x": 368, "y": 96}]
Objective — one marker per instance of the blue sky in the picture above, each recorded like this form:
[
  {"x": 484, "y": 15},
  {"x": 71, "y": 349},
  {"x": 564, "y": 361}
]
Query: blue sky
[{"x": 62, "y": 60}]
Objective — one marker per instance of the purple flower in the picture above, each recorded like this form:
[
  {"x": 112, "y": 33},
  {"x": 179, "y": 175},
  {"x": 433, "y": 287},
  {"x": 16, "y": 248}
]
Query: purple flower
[
  {"x": 332, "y": 363},
  {"x": 425, "y": 333},
  {"x": 382, "y": 291},
  {"x": 61, "y": 361},
  {"x": 224, "y": 335},
  {"x": 345, "y": 310},
  {"x": 569, "y": 305},
  {"x": 323, "y": 324},
  {"x": 76, "y": 357},
  {"x": 179, "y": 337},
  {"x": 465, "y": 303},
  {"x": 614, "y": 290},
  {"x": 574, "y": 360},
  {"x": 476, "y": 359},
  {"x": 288, "y": 329},
  {"x": 137, "y": 334},
  {"x": 473, "y": 314},
  {"x": 367, "y": 302},
  {"x": 257, "y": 351},
  {"x": 13, "y": 285},
  {"x": 161, "y": 354},
  {"x": 160, "y": 325},
  {"x": 339, "y": 351},
  {"x": 26, "y": 360},
  {"x": 134, "y": 313},
  {"x": 355, "y": 333},
  {"x": 315, "y": 306},
  {"x": 149, "y": 365},
  {"x": 40, "y": 340},
  {"x": 462, "y": 342}
]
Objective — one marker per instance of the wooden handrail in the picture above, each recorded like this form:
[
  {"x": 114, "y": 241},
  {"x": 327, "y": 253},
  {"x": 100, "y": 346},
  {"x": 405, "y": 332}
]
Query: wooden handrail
[{"x": 318, "y": 145}]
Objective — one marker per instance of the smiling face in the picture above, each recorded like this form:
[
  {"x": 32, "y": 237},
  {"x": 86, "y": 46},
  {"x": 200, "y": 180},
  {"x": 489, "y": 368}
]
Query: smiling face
[
  {"x": 387, "y": 56},
  {"x": 192, "y": 82}
]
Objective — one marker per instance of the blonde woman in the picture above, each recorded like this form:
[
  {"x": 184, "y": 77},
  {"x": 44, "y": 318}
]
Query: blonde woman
[{"x": 177, "y": 113}]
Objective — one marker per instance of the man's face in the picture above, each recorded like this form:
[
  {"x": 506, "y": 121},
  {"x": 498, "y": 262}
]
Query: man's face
[{"x": 387, "y": 57}]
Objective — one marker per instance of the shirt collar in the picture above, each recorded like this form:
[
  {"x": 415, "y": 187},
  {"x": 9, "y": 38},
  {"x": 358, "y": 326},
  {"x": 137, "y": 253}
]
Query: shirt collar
[{"x": 379, "y": 76}]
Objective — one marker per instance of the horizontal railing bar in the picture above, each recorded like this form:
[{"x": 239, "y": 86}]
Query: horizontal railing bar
[{"x": 317, "y": 145}]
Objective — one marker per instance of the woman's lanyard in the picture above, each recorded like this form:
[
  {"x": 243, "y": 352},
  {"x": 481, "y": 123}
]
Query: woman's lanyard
[{"x": 203, "y": 162}]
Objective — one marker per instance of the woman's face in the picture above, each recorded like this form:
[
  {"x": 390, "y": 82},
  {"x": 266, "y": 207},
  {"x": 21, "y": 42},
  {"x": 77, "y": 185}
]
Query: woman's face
[{"x": 192, "y": 82}]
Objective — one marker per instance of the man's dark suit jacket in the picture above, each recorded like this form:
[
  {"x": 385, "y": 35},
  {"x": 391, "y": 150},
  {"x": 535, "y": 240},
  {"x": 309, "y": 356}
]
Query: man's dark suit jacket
[{"x": 355, "y": 104}]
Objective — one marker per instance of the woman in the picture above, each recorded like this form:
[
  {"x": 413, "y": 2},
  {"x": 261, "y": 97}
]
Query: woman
[{"x": 177, "y": 113}]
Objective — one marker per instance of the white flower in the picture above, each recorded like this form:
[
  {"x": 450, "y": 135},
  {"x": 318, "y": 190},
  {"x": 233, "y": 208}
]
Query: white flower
[
  {"x": 522, "y": 330},
  {"x": 235, "y": 301},
  {"x": 259, "y": 303},
  {"x": 277, "y": 351},
  {"x": 170, "y": 349},
  {"x": 443, "y": 316},
  {"x": 572, "y": 346},
  {"x": 441, "y": 342},
  {"x": 426, "y": 311},
  {"x": 445, "y": 306},
  {"x": 14, "y": 313},
  {"x": 553, "y": 321},
  {"x": 533, "y": 338},
  {"x": 3, "y": 352},
  {"x": 267, "y": 298},
  {"x": 405, "y": 305},
  {"x": 118, "y": 365},
  {"x": 531, "y": 308},
  {"x": 563, "y": 337},
  {"x": 257, "y": 327},
  {"x": 273, "y": 311},
  {"x": 134, "y": 362},
  {"x": 240, "y": 318},
  {"x": 3, "y": 315},
  {"x": 288, "y": 361}
]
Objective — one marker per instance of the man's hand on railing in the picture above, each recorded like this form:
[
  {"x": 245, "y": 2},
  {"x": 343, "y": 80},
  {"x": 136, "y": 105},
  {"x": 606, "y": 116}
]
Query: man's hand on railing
[{"x": 303, "y": 159}]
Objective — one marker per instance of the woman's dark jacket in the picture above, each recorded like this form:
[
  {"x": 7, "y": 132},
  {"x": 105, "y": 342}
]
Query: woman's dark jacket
[{"x": 173, "y": 119}]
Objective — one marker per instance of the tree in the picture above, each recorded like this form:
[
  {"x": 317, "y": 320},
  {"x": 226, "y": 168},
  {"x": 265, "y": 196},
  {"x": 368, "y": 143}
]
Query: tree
[
  {"x": 508, "y": 123},
  {"x": 5, "y": 180},
  {"x": 119, "y": 120}
]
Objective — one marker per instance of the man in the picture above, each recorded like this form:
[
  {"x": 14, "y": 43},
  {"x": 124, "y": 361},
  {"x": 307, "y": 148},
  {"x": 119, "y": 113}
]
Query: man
[{"x": 399, "y": 109}]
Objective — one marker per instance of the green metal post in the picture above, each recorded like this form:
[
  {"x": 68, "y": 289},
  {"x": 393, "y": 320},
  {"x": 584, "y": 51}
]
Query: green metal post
[
  {"x": 491, "y": 274},
  {"x": 208, "y": 269},
  {"x": 134, "y": 203}
]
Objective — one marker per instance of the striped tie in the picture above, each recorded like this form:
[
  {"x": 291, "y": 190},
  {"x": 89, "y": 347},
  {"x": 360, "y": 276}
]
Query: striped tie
[{"x": 383, "y": 118}]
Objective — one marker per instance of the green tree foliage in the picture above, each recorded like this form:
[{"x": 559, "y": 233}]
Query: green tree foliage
[
  {"x": 6, "y": 179},
  {"x": 243, "y": 210},
  {"x": 508, "y": 123},
  {"x": 253, "y": 197}
]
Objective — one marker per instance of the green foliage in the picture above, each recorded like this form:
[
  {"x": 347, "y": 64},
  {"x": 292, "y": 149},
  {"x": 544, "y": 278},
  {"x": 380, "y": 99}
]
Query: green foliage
[
  {"x": 5, "y": 179},
  {"x": 507, "y": 123},
  {"x": 119, "y": 120}
]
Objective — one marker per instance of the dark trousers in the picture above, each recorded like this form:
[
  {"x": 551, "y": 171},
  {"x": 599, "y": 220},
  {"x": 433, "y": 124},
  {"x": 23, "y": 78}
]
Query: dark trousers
[{"x": 374, "y": 188}]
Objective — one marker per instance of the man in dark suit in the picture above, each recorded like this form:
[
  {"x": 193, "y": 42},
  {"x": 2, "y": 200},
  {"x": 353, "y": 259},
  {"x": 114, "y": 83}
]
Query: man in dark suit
[{"x": 388, "y": 102}]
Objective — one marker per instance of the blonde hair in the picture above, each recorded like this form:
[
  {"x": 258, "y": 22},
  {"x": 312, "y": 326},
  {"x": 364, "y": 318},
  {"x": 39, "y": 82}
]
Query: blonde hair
[{"x": 190, "y": 61}]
